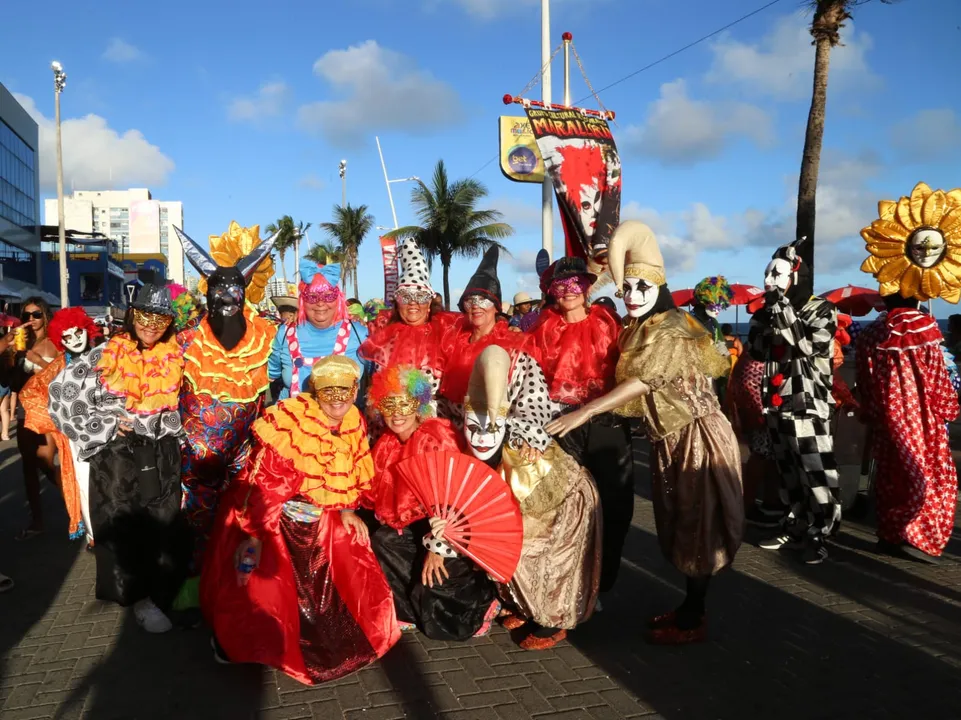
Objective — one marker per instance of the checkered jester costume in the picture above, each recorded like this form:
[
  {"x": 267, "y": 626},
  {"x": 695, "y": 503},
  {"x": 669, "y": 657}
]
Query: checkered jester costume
[{"x": 793, "y": 336}]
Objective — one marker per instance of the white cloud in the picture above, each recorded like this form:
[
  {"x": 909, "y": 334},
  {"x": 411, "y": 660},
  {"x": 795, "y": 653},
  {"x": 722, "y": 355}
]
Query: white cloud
[
  {"x": 269, "y": 101},
  {"x": 680, "y": 130},
  {"x": 312, "y": 181},
  {"x": 522, "y": 261},
  {"x": 382, "y": 90},
  {"x": 927, "y": 136},
  {"x": 121, "y": 52},
  {"x": 781, "y": 64},
  {"x": 95, "y": 155},
  {"x": 523, "y": 216}
]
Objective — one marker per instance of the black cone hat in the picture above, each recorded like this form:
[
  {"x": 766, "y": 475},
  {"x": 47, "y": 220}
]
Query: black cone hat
[{"x": 484, "y": 282}]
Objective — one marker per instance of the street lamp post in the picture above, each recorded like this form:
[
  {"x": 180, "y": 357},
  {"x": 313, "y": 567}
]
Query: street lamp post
[
  {"x": 343, "y": 183},
  {"x": 59, "y": 82},
  {"x": 390, "y": 195}
]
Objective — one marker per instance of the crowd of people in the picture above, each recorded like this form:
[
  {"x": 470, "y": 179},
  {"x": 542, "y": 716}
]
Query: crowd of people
[{"x": 213, "y": 459}]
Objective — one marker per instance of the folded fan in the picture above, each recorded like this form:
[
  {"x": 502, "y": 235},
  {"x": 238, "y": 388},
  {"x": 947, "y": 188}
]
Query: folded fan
[{"x": 483, "y": 518}]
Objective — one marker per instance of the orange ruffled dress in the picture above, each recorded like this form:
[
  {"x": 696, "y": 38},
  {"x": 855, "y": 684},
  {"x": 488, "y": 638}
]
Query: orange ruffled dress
[{"x": 318, "y": 606}]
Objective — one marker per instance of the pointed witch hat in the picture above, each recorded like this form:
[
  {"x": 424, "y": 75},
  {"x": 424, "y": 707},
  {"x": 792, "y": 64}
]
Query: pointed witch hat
[{"x": 485, "y": 282}]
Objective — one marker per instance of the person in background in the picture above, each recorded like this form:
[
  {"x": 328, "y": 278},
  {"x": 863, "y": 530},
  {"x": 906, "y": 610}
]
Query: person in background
[
  {"x": 526, "y": 312},
  {"x": 734, "y": 345},
  {"x": 287, "y": 309}
]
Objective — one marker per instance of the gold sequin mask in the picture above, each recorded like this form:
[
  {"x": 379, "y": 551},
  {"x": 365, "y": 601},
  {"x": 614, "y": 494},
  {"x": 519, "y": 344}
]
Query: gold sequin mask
[
  {"x": 402, "y": 405},
  {"x": 337, "y": 394},
  {"x": 151, "y": 321}
]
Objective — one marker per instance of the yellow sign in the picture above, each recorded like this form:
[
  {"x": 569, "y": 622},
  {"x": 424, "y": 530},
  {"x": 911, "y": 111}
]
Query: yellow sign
[{"x": 521, "y": 161}]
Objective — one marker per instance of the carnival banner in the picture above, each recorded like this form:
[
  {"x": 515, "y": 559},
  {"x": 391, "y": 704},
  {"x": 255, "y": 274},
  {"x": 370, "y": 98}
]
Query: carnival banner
[
  {"x": 388, "y": 247},
  {"x": 581, "y": 158},
  {"x": 520, "y": 159}
]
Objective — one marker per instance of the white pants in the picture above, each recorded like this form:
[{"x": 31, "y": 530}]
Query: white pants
[{"x": 82, "y": 470}]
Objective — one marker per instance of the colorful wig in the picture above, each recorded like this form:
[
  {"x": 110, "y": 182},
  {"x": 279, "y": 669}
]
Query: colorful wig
[
  {"x": 69, "y": 318},
  {"x": 401, "y": 380},
  {"x": 185, "y": 306},
  {"x": 320, "y": 279},
  {"x": 714, "y": 291}
]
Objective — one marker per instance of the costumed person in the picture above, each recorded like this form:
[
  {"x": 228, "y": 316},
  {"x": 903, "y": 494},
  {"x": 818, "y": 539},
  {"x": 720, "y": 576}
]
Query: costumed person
[
  {"x": 225, "y": 375},
  {"x": 412, "y": 331},
  {"x": 793, "y": 335},
  {"x": 323, "y": 328},
  {"x": 444, "y": 596},
  {"x": 290, "y": 580},
  {"x": 577, "y": 348},
  {"x": 843, "y": 397},
  {"x": 73, "y": 333},
  {"x": 123, "y": 418},
  {"x": 481, "y": 326},
  {"x": 712, "y": 296},
  {"x": 554, "y": 587},
  {"x": 665, "y": 378},
  {"x": 906, "y": 393}
]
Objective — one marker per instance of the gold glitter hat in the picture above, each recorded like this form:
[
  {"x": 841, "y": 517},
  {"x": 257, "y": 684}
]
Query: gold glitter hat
[
  {"x": 487, "y": 388},
  {"x": 334, "y": 371},
  {"x": 634, "y": 253},
  {"x": 915, "y": 245}
]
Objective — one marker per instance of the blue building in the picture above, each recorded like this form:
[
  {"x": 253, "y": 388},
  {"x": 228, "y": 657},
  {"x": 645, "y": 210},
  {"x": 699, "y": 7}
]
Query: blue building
[{"x": 96, "y": 278}]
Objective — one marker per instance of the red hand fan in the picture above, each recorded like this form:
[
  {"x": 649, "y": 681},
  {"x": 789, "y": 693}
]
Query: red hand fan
[{"x": 483, "y": 518}]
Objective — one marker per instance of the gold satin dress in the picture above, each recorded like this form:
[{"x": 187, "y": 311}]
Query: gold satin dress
[{"x": 695, "y": 458}]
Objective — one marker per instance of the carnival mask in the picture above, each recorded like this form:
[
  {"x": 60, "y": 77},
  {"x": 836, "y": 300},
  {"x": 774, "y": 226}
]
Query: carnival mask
[
  {"x": 484, "y": 434},
  {"x": 779, "y": 276},
  {"x": 926, "y": 247},
  {"x": 402, "y": 405},
  {"x": 336, "y": 394},
  {"x": 576, "y": 285},
  {"x": 639, "y": 296},
  {"x": 713, "y": 310},
  {"x": 409, "y": 296},
  {"x": 150, "y": 321},
  {"x": 327, "y": 294},
  {"x": 478, "y": 302},
  {"x": 74, "y": 340}
]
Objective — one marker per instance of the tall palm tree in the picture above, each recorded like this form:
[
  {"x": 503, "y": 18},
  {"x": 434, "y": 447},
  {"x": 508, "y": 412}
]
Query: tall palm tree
[
  {"x": 289, "y": 233},
  {"x": 829, "y": 17},
  {"x": 451, "y": 225},
  {"x": 325, "y": 253},
  {"x": 350, "y": 226}
]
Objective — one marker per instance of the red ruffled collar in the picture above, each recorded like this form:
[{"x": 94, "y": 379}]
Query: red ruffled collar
[
  {"x": 397, "y": 343},
  {"x": 909, "y": 329},
  {"x": 460, "y": 353}
]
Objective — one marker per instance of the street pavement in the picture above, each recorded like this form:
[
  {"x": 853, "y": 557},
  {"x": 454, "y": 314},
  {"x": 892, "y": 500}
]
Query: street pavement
[{"x": 861, "y": 636}]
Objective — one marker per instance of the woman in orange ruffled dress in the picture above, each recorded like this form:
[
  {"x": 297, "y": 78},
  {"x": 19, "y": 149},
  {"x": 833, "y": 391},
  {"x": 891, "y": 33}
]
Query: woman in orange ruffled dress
[{"x": 122, "y": 418}]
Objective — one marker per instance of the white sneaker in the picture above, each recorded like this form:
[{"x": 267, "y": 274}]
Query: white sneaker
[{"x": 151, "y": 618}]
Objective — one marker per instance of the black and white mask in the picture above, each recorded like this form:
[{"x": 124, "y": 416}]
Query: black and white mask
[
  {"x": 74, "y": 340},
  {"x": 778, "y": 276},
  {"x": 639, "y": 296}
]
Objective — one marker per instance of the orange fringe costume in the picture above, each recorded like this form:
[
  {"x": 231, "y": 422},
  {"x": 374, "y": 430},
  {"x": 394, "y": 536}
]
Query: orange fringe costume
[
  {"x": 34, "y": 398},
  {"x": 148, "y": 380}
]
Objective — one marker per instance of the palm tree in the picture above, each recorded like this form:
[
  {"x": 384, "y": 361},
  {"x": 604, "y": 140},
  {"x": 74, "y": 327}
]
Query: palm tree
[
  {"x": 350, "y": 226},
  {"x": 829, "y": 17},
  {"x": 451, "y": 225},
  {"x": 289, "y": 233},
  {"x": 325, "y": 254}
]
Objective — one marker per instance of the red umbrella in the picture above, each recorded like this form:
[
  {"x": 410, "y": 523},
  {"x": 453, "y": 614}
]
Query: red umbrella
[
  {"x": 9, "y": 321},
  {"x": 857, "y": 301},
  {"x": 683, "y": 297},
  {"x": 745, "y": 294}
]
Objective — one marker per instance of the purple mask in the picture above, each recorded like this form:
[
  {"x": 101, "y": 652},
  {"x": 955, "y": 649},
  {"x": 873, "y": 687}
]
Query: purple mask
[
  {"x": 577, "y": 285},
  {"x": 323, "y": 294}
]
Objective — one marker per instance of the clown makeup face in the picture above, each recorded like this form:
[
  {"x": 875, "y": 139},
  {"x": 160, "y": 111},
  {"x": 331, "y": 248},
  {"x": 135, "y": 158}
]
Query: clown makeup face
[
  {"x": 639, "y": 296},
  {"x": 484, "y": 441},
  {"x": 74, "y": 340},
  {"x": 778, "y": 276},
  {"x": 926, "y": 247}
]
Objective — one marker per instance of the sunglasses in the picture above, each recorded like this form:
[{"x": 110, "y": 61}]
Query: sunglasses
[{"x": 35, "y": 315}]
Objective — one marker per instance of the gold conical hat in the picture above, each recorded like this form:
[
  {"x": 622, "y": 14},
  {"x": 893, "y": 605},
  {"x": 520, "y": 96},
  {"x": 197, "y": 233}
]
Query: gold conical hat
[
  {"x": 634, "y": 253},
  {"x": 487, "y": 389}
]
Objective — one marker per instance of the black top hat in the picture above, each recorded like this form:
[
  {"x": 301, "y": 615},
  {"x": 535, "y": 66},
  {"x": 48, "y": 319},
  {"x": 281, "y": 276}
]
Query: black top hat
[
  {"x": 154, "y": 299},
  {"x": 484, "y": 282}
]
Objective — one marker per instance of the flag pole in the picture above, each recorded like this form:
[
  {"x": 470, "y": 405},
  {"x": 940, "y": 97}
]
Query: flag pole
[{"x": 547, "y": 191}]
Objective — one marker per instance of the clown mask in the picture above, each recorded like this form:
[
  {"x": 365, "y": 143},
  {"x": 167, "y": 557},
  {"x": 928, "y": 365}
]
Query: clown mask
[
  {"x": 484, "y": 434},
  {"x": 778, "y": 276},
  {"x": 639, "y": 296},
  {"x": 74, "y": 340}
]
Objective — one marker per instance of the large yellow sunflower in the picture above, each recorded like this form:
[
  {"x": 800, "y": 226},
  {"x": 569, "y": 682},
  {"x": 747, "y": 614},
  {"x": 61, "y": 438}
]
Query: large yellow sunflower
[
  {"x": 230, "y": 247},
  {"x": 915, "y": 245}
]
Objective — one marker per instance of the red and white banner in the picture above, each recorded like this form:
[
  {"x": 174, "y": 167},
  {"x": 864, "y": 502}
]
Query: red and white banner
[{"x": 388, "y": 247}]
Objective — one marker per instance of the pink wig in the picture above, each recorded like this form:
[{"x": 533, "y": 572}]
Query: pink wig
[{"x": 320, "y": 284}]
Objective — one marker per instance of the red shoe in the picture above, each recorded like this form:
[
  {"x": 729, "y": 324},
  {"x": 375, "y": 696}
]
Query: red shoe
[
  {"x": 512, "y": 622},
  {"x": 673, "y": 635},
  {"x": 532, "y": 642}
]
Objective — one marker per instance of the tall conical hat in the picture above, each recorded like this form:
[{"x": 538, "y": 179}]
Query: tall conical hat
[
  {"x": 634, "y": 253},
  {"x": 487, "y": 388},
  {"x": 414, "y": 273},
  {"x": 485, "y": 282}
]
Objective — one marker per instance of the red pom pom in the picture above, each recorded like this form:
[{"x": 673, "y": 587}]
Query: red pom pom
[
  {"x": 508, "y": 99},
  {"x": 567, "y": 37},
  {"x": 777, "y": 401},
  {"x": 777, "y": 381}
]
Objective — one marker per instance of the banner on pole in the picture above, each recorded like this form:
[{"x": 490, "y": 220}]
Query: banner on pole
[
  {"x": 582, "y": 161},
  {"x": 388, "y": 247},
  {"x": 520, "y": 159}
]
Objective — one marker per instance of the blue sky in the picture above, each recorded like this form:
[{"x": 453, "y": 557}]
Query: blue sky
[{"x": 244, "y": 114}]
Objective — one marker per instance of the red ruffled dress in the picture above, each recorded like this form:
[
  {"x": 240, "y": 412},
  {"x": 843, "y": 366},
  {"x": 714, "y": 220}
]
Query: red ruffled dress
[{"x": 397, "y": 343}]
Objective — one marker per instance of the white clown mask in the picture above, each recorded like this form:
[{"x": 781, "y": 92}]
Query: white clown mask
[
  {"x": 74, "y": 340},
  {"x": 484, "y": 438},
  {"x": 639, "y": 296},
  {"x": 779, "y": 276}
]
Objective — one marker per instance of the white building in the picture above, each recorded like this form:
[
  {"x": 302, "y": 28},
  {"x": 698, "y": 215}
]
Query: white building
[{"x": 131, "y": 218}]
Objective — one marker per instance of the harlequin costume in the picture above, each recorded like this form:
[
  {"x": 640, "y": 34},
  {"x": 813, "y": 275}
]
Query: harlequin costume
[
  {"x": 297, "y": 347},
  {"x": 664, "y": 374},
  {"x": 142, "y": 541},
  {"x": 317, "y": 606},
  {"x": 906, "y": 391},
  {"x": 462, "y": 606},
  {"x": 578, "y": 360},
  {"x": 793, "y": 335},
  {"x": 225, "y": 371}
]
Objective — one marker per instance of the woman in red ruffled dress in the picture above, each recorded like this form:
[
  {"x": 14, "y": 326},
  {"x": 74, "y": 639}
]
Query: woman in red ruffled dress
[
  {"x": 577, "y": 347},
  {"x": 447, "y": 598}
]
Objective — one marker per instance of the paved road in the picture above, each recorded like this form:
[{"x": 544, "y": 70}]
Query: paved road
[{"x": 860, "y": 636}]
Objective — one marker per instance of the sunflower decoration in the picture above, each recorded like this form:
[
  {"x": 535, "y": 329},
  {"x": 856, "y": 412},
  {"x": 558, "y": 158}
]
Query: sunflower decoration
[
  {"x": 230, "y": 247},
  {"x": 915, "y": 245}
]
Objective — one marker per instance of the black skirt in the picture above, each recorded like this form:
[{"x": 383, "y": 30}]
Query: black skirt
[
  {"x": 143, "y": 542},
  {"x": 454, "y": 610}
]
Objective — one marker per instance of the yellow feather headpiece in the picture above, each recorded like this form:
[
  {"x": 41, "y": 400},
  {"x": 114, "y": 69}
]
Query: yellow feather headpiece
[{"x": 233, "y": 245}]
